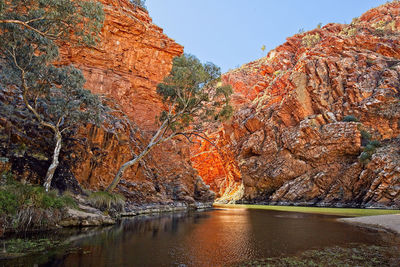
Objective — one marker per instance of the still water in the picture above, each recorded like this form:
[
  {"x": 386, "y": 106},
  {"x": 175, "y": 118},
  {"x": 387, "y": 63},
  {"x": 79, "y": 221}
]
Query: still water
[{"x": 212, "y": 238}]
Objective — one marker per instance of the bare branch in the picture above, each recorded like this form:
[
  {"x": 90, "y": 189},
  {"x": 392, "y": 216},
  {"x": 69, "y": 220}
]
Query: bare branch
[{"x": 26, "y": 25}]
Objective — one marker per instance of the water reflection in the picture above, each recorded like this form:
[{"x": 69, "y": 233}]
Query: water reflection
[{"x": 213, "y": 238}]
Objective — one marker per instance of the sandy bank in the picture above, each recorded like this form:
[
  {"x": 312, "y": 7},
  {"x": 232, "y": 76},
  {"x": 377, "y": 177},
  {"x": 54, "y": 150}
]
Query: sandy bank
[{"x": 389, "y": 222}]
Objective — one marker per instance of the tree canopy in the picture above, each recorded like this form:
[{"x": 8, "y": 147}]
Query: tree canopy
[{"x": 52, "y": 96}]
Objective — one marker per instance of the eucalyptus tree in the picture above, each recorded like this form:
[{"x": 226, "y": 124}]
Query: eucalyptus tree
[
  {"x": 30, "y": 32},
  {"x": 193, "y": 98}
]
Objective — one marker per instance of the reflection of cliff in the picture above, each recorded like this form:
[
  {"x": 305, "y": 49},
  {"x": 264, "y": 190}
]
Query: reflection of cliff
[{"x": 289, "y": 135}]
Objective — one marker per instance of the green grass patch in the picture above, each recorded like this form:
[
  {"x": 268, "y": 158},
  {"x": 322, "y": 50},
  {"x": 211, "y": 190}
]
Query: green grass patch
[
  {"x": 15, "y": 196},
  {"x": 105, "y": 200},
  {"x": 25, "y": 207},
  {"x": 347, "y": 212}
]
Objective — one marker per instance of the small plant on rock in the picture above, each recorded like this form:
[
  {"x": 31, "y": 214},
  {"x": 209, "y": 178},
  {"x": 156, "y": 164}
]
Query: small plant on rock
[
  {"x": 350, "y": 118},
  {"x": 368, "y": 151},
  {"x": 311, "y": 40}
]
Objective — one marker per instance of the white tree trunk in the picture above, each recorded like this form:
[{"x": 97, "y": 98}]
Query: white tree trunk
[
  {"x": 155, "y": 140},
  {"x": 54, "y": 163},
  {"x": 126, "y": 165}
]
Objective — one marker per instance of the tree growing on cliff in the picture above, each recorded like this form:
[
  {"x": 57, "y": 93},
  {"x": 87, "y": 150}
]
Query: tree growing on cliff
[
  {"x": 139, "y": 3},
  {"x": 54, "y": 96},
  {"x": 194, "y": 97}
]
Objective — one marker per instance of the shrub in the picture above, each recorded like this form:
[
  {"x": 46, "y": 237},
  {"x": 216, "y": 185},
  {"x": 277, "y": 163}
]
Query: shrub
[
  {"x": 368, "y": 151},
  {"x": 310, "y": 40},
  {"x": 365, "y": 135},
  {"x": 26, "y": 207},
  {"x": 139, "y": 3},
  {"x": 350, "y": 118},
  {"x": 106, "y": 200},
  {"x": 375, "y": 143},
  {"x": 8, "y": 203},
  {"x": 349, "y": 31}
]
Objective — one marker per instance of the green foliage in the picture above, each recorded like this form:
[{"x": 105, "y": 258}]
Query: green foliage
[
  {"x": 16, "y": 196},
  {"x": 8, "y": 202},
  {"x": 350, "y": 118},
  {"x": 26, "y": 207},
  {"x": 47, "y": 20},
  {"x": 106, "y": 200},
  {"x": 384, "y": 27},
  {"x": 47, "y": 96},
  {"x": 139, "y": 3},
  {"x": 368, "y": 151},
  {"x": 55, "y": 92},
  {"x": 311, "y": 40},
  {"x": 349, "y": 31},
  {"x": 375, "y": 143},
  {"x": 29, "y": 245},
  {"x": 194, "y": 94},
  {"x": 365, "y": 135}
]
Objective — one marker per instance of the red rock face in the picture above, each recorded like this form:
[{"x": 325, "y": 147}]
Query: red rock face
[
  {"x": 132, "y": 57},
  {"x": 288, "y": 136},
  {"x": 216, "y": 165}
]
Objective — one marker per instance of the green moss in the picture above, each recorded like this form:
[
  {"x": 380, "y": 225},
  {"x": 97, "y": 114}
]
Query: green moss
[{"x": 318, "y": 210}]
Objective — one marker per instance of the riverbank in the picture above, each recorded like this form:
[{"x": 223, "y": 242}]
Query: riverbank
[
  {"x": 26, "y": 208},
  {"x": 387, "y": 222},
  {"x": 345, "y": 212}
]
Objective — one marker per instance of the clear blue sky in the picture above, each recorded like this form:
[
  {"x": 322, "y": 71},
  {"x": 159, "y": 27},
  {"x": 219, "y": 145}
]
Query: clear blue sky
[{"x": 230, "y": 33}]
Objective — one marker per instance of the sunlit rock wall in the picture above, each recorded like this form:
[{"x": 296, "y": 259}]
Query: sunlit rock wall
[{"x": 288, "y": 136}]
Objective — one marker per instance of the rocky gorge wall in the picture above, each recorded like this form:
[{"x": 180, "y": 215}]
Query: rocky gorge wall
[
  {"x": 317, "y": 120},
  {"x": 133, "y": 56}
]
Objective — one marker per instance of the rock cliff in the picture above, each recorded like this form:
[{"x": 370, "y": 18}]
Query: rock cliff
[
  {"x": 317, "y": 120},
  {"x": 132, "y": 57}
]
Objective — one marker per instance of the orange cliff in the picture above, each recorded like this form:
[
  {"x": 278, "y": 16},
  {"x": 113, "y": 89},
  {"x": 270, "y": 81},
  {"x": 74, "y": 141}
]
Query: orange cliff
[
  {"x": 132, "y": 57},
  {"x": 290, "y": 137},
  {"x": 217, "y": 166}
]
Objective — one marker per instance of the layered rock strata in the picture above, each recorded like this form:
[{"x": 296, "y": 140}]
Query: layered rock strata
[{"x": 317, "y": 120}]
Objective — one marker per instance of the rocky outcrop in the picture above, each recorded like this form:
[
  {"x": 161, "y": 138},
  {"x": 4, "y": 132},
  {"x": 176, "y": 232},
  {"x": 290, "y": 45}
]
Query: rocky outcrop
[{"x": 310, "y": 114}]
